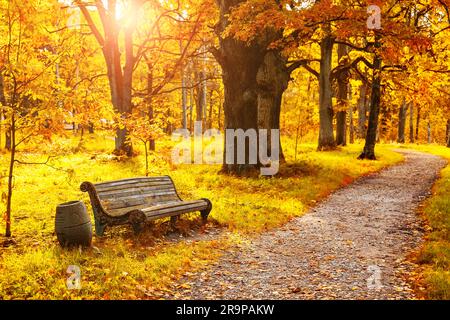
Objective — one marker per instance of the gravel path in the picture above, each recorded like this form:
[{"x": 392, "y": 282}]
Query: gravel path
[{"x": 351, "y": 246}]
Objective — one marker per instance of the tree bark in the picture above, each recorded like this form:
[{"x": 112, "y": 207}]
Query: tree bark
[
  {"x": 150, "y": 110},
  {"x": 350, "y": 110},
  {"x": 326, "y": 134},
  {"x": 417, "y": 123},
  {"x": 240, "y": 62},
  {"x": 342, "y": 97},
  {"x": 91, "y": 127},
  {"x": 402, "y": 122},
  {"x": 191, "y": 101},
  {"x": 200, "y": 101},
  {"x": 369, "y": 147},
  {"x": 429, "y": 138},
  {"x": 211, "y": 108},
  {"x": 120, "y": 82},
  {"x": 183, "y": 98},
  {"x": 362, "y": 111},
  {"x": 411, "y": 122},
  {"x": 448, "y": 133},
  {"x": 272, "y": 80},
  {"x": 11, "y": 176},
  {"x": 2, "y": 105}
]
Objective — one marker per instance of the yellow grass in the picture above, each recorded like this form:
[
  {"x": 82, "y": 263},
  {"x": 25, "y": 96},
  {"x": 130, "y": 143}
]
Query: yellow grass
[{"x": 126, "y": 266}]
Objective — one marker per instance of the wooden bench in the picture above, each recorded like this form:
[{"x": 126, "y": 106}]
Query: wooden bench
[{"x": 138, "y": 200}]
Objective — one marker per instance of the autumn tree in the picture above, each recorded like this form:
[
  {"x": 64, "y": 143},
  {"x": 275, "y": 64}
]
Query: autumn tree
[{"x": 27, "y": 64}]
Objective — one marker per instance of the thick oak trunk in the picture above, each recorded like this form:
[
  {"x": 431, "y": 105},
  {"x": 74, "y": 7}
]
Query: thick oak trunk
[
  {"x": 326, "y": 134},
  {"x": 240, "y": 62},
  {"x": 272, "y": 80}
]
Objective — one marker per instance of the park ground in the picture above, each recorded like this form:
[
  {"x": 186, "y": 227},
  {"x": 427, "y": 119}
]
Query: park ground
[{"x": 124, "y": 266}]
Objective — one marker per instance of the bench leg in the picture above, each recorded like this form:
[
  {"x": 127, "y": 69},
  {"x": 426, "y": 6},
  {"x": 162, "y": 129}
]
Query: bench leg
[
  {"x": 137, "y": 228},
  {"x": 137, "y": 220},
  {"x": 205, "y": 213},
  {"x": 173, "y": 221},
  {"x": 99, "y": 228}
]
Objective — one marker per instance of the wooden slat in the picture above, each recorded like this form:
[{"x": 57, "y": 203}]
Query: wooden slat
[
  {"x": 122, "y": 211},
  {"x": 140, "y": 199},
  {"x": 150, "y": 200},
  {"x": 163, "y": 209},
  {"x": 131, "y": 180},
  {"x": 117, "y": 194},
  {"x": 175, "y": 204},
  {"x": 153, "y": 215},
  {"x": 107, "y": 188},
  {"x": 184, "y": 206}
]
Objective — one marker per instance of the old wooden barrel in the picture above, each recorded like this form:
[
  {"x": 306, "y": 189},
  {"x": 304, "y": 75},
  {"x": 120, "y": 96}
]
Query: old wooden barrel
[{"x": 73, "y": 224}]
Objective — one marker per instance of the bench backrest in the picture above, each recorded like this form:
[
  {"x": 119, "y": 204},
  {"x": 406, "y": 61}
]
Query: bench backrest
[{"x": 121, "y": 196}]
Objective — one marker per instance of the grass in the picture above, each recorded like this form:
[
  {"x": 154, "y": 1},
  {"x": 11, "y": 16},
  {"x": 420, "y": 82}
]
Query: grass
[
  {"x": 124, "y": 266},
  {"x": 435, "y": 253}
]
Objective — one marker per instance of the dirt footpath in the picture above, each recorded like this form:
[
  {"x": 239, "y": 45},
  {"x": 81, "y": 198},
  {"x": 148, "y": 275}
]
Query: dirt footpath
[{"x": 351, "y": 246}]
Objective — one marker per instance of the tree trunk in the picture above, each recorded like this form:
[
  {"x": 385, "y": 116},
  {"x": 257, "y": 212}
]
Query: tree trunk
[
  {"x": 200, "y": 98},
  {"x": 448, "y": 133},
  {"x": 183, "y": 98},
  {"x": 151, "y": 142},
  {"x": 211, "y": 108},
  {"x": 369, "y": 147},
  {"x": 2, "y": 104},
  {"x": 219, "y": 115},
  {"x": 120, "y": 82},
  {"x": 350, "y": 120},
  {"x": 11, "y": 176},
  {"x": 272, "y": 79},
  {"x": 191, "y": 102},
  {"x": 411, "y": 122},
  {"x": 91, "y": 127},
  {"x": 326, "y": 134},
  {"x": 342, "y": 97},
  {"x": 402, "y": 122},
  {"x": 417, "y": 123},
  {"x": 240, "y": 62},
  {"x": 429, "y": 138},
  {"x": 362, "y": 111}
]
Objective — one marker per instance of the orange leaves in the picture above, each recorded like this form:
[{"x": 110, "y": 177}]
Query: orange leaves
[{"x": 250, "y": 18}]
